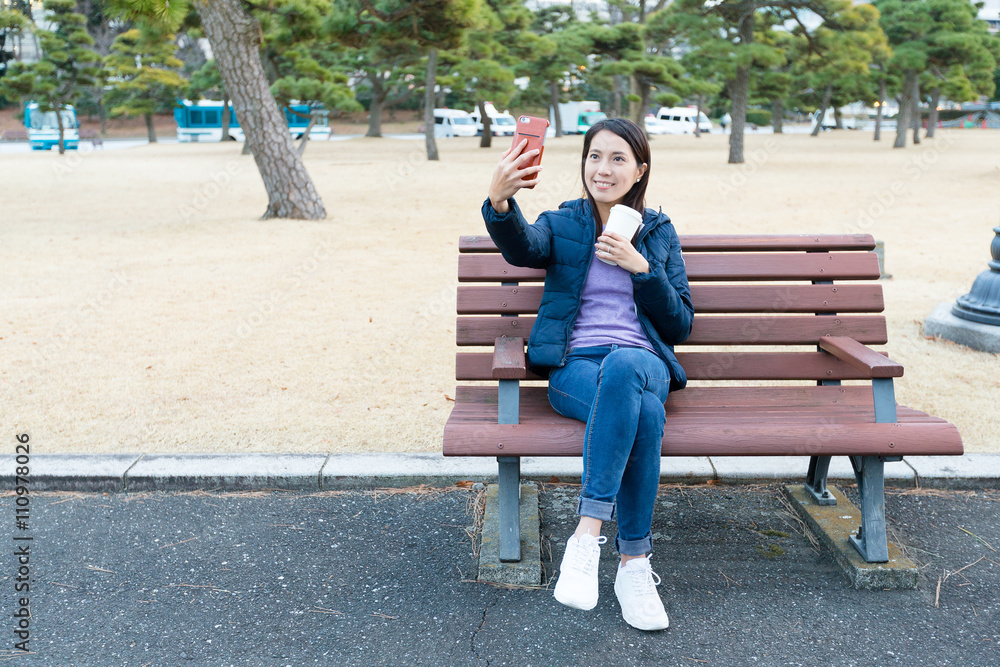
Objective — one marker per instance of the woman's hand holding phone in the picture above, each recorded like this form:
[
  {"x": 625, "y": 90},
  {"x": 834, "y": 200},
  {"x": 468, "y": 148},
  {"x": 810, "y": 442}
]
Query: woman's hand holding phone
[{"x": 509, "y": 176}]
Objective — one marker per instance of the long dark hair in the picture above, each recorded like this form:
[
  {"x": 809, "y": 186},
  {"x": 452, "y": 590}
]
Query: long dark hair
[{"x": 636, "y": 139}]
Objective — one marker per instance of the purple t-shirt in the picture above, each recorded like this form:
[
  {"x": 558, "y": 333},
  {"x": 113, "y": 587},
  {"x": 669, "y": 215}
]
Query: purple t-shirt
[{"x": 607, "y": 310}]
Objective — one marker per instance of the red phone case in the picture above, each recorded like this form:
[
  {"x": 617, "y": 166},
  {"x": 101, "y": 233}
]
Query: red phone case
[{"x": 532, "y": 129}]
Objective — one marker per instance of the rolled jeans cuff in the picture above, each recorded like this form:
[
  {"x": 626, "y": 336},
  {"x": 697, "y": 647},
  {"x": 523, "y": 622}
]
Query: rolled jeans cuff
[
  {"x": 595, "y": 509},
  {"x": 634, "y": 547}
]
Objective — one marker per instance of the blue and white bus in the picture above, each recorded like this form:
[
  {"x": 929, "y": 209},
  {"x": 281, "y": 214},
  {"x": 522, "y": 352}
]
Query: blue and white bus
[
  {"x": 202, "y": 121},
  {"x": 43, "y": 127}
]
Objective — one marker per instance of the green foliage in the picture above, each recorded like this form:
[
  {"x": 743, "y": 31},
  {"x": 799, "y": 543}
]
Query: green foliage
[
  {"x": 143, "y": 73},
  {"x": 68, "y": 64},
  {"x": 206, "y": 82},
  {"x": 945, "y": 39},
  {"x": 759, "y": 116}
]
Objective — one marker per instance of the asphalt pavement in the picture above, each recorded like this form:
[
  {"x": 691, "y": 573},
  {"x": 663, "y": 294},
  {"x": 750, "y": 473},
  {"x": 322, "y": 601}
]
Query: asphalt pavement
[{"x": 357, "y": 577}]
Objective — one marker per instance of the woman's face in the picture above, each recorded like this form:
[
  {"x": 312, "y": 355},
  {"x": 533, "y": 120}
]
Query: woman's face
[{"x": 610, "y": 168}]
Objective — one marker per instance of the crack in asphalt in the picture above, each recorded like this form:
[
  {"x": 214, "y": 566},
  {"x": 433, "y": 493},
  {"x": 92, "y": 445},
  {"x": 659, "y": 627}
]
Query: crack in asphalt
[{"x": 472, "y": 639}]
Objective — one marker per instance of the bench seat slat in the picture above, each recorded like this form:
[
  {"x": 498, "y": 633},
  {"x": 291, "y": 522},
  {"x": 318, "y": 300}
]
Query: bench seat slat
[
  {"x": 730, "y": 243},
  {"x": 709, "y": 267},
  {"x": 525, "y": 299},
  {"x": 711, "y": 330},
  {"x": 735, "y": 438}
]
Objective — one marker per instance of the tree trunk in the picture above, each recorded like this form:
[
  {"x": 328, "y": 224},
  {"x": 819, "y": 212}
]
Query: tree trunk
[
  {"x": 838, "y": 119},
  {"x": 905, "y": 106},
  {"x": 487, "y": 126},
  {"x": 616, "y": 100},
  {"x": 932, "y": 113},
  {"x": 777, "y": 115},
  {"x": 225, "y": 117},
  {"x": 375, "y": 110},
  {"x": 739, "y": 87},
  {"x": 878, "y": 113},
  {"x": 429, "y": 97},
  {"x": 102, "y": 114},
  {"x": 150, "y": 130},
  {"x": 643, "y": 104},
  {"x": 697, "y": 117},
  {"x": 235, "y": 37},
  {"x": 313, "y": 113},
  {"x": 916, "y": 111},
  {"x": 827, "y": 94},
  {"x": 62, "y": 130},
  {"x": 554, "y": 101},
  {"x": 634, "y": 107}
]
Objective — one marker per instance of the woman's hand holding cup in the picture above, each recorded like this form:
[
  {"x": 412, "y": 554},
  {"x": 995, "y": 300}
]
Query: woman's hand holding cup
[
  {"x": 614, "y": 248},
  {"x": 509, "y": 177}
]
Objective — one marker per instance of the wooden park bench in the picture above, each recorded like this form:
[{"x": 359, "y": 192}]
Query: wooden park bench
[{"x": 787, "y": 308}]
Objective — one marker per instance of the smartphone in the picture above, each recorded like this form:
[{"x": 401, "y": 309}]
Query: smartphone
[{"x": 532, "y": 129}]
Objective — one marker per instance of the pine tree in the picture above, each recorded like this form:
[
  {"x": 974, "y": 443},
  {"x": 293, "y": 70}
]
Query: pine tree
[
  {"x": 143, "y": 75},
  {"x": 67, "y": 67}
]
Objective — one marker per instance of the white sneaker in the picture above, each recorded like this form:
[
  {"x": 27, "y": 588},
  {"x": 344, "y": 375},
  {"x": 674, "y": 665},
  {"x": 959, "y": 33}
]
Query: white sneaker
[
  {"x": 636, "y": 591},
  {"x": 577, "y": 584}
]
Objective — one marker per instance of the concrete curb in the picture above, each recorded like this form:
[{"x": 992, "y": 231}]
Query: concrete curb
[
  {"x": 833, "y": 525},
  {"x": 527, "y": 571},
  {"x": 230, "y": 472}
]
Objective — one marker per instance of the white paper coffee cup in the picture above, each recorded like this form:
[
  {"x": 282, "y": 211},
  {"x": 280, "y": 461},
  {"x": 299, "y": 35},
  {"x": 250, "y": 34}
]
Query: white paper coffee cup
[{"x": 623, "y": 220}]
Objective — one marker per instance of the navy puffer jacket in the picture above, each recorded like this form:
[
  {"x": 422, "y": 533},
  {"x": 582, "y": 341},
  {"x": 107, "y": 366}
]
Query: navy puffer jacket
[{"x": 562, "y": 243}]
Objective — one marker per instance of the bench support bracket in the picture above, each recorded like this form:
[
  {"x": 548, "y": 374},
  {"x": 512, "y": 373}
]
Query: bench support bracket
[
  {"x": 819, "y": 468},
  {"x": 508, "y": 409},
  {"x": 871, "y": 540},
  {"x": 510, "y": 495}
]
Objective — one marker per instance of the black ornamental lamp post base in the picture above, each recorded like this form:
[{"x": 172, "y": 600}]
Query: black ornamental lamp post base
[{"x": 982, "y": 303}]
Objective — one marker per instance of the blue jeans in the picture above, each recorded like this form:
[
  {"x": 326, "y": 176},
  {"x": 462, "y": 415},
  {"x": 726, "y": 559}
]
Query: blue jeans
[{"x": 619, "y": 392}]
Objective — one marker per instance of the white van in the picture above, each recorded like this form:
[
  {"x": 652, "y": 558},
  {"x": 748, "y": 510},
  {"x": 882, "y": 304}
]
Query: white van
[
  {"x": 453, "y": 123},
  {"x": 681, "y": 120},
  {"x": 830, "y": 120},
  {"x": 502, "y": 124}
]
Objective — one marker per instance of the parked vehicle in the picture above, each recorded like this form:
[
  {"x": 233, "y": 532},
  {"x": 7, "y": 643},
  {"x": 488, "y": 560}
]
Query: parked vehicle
[
  {"x": 830, "y": 120},
  {"x": 577, "y": 117},
  {"x": 655, "y": 126},
  {"x": 501, "y": 123},
  {"x": 681, "y": 120},
  {"x": 202, "y": 121},
  {"x": 453, "y": 123},
  {"x": 43, "y": 127}
]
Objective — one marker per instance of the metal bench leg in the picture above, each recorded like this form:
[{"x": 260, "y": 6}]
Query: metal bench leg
[
  {"x": 871, "y": 540},
  {"x": 819, "y": 468},
  {"x": 510, "y": 495}
]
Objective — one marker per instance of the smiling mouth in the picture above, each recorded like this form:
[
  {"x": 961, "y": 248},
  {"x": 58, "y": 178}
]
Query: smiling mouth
[{"x": 603, "y": 184}]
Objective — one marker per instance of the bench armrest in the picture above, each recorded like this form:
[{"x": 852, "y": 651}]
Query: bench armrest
[
  {"x": 508, "y": 359},
  {"x": 862, "y": 357}
]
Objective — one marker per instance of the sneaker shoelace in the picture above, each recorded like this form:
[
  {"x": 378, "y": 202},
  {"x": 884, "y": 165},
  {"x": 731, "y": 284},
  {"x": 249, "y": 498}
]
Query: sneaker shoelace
[
  {"x": 643, "y": 582},
  {"x": 585, "y": 557}
]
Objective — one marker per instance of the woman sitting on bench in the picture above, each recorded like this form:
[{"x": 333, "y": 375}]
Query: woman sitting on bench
[{"x": 604, "y": 335}]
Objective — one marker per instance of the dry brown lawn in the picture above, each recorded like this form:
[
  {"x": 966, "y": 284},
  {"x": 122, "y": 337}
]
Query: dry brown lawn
[{"x": 146, "y": 308}]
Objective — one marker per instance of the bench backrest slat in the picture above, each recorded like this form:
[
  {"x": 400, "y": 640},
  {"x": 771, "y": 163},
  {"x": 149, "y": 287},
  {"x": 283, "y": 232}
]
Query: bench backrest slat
[
  {"x": 719, "y": 267},
  {"x": 850, "y": 298},
  {"x": 711, "y": 329},
  {"x": 729, "y": 243}
]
